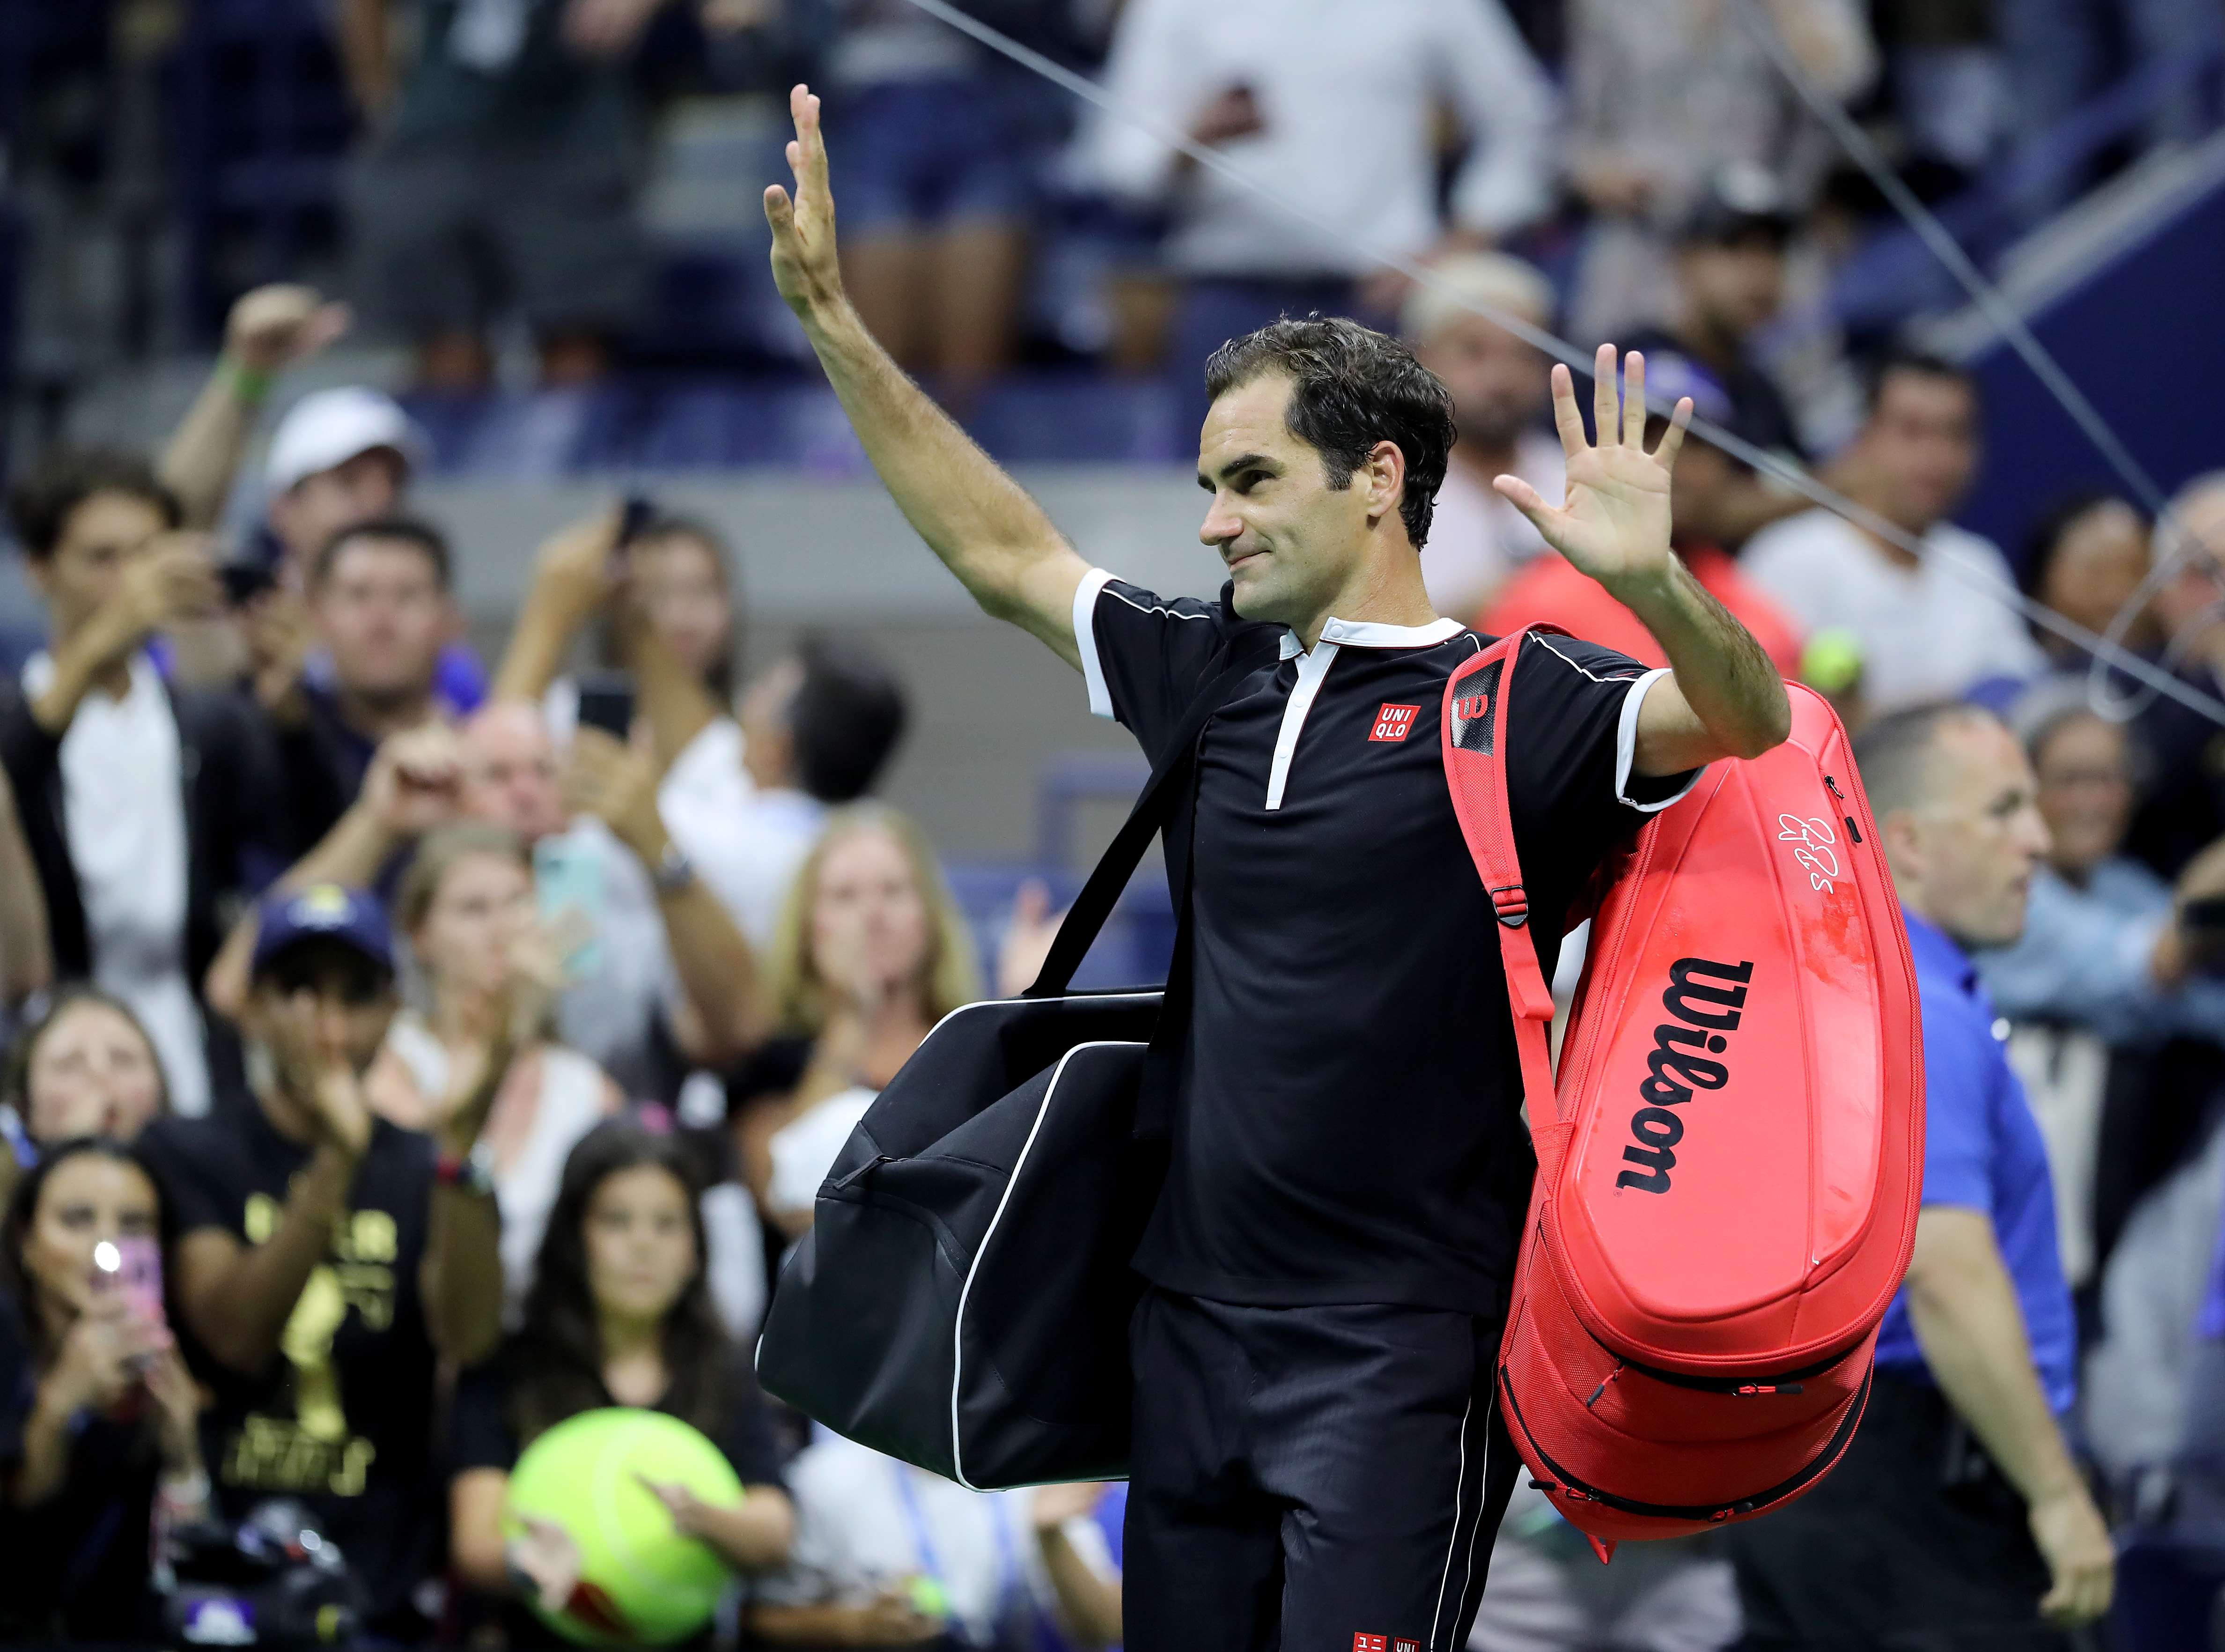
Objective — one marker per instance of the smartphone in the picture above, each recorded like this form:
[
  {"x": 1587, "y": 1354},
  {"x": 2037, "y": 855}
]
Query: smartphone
[
  {"x": 638, "y": 512},
  {"x": 140, "y": 1277},
  {"x": 568, "y": 876},
  {"x": 606, "y": 703},
  {"x": 244, "y": 582}
]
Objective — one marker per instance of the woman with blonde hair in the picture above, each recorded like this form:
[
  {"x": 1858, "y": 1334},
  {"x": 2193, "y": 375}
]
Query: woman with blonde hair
[
  {"x": 487, "y": 973},
  {"x": 870, "y": 952}
]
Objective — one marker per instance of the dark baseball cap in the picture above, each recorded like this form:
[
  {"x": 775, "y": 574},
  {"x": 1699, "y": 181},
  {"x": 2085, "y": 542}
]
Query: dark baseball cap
[
  {"x": 324, "y": 911},
  {"x": 1735, "y": 202}
]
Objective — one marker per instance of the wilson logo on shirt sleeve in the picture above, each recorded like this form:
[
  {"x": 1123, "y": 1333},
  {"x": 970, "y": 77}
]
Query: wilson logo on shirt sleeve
[{"x": 1394, "y": 721}]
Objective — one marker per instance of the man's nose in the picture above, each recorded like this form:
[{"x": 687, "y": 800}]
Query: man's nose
[{"x": 1220, "y": 526}]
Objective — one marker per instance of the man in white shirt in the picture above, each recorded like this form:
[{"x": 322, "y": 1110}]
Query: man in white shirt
[
  {"x": 147, "y": 810},
  {"x": 1929, "y": 627},
  {"x": 1499, "y": 396},
  {"x": 1333, "y": 105}
]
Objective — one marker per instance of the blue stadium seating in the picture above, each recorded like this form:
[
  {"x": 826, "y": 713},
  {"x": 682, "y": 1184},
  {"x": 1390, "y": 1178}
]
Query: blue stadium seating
[{"x": 261, "y": 121}]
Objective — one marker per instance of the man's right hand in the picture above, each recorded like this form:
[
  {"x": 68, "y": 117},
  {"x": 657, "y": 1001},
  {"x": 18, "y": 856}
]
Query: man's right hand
[
  {"x": 574, "y": 572},
  {"x": 2081, "y": 1560},
  {"x": 280, "y": 326},
  {"x": 414, "y": 781},
  {"x": 804, "y": 264},
  {"x": 173, "y": 579}
]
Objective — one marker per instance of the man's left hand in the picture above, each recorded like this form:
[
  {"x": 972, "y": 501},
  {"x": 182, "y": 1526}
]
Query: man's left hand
[{"x": 1613, "y": 524}]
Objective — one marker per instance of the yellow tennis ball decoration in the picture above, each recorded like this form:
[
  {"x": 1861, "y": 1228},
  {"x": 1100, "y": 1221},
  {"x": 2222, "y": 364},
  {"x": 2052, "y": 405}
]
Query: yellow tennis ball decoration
[{"x": 642, "y": 1582}]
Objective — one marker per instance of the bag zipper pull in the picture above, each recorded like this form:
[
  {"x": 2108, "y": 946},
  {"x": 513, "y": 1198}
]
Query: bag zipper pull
[
  {"x": 1604, "y": 1380},
  {"x": 1767, "y": 1388},
  {"x": 872, "y": 1163}
]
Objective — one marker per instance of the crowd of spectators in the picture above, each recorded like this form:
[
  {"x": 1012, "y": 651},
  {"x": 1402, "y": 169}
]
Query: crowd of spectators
[
  {"x": 473, "y": 1056},
  {"x": 467, "y": 1045}
]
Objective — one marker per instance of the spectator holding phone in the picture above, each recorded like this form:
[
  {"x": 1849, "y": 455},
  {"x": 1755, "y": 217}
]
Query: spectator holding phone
[
  {"x": 618, "y": 1315},
  {"x": 870, "y": 953},
  {"x": 323, "y": 1259},
  {"x": 96, "y": 1410},
  {"x": 486, "y": 963},
  {"x": 146, "y": 809}
]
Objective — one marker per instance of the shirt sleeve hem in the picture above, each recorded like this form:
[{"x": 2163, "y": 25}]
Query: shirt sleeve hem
[
  {"x": 1626, "y": 748},
  {"x": 1085, "y": 640}
]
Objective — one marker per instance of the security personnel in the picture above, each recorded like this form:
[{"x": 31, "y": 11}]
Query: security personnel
[
  {"x": 1318, "y": 1457},
  {"x": 1957, "y": 1518}
]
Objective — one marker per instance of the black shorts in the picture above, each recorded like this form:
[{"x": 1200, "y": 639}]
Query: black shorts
[{"x": 1311, "y": 1479}]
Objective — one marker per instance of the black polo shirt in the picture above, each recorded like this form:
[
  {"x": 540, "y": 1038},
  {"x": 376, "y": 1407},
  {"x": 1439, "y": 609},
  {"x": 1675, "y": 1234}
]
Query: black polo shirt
[{"x": 1346, "y": 1120}]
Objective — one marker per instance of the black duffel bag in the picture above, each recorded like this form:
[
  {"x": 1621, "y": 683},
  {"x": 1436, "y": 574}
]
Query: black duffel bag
[{"x": 962, "y": 1299}]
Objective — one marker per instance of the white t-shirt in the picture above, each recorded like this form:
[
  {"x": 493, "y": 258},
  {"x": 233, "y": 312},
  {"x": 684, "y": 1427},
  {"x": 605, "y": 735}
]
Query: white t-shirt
[
  {"x": 1930, "y": 632},
  {"x": 804, "y": 1149},
  {"x": 866, "y": 1523},
  {"x": 123, "y": 814},
  {"x": 1477, "y": 540},
  {"x": 747, "y": 844},
  {"x": 570, "y": 1104}
]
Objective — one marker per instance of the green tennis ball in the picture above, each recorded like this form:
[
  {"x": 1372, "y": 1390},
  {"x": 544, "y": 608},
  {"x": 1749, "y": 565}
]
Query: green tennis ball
[
  {"x": 930, "y": 1599},
  {"x": 1832, "y": 661},
  {"x": 586, "y": 1475}
]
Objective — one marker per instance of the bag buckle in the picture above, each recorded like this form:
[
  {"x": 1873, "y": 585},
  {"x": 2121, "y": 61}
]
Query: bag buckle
[{"x": 1511, "y": 902}]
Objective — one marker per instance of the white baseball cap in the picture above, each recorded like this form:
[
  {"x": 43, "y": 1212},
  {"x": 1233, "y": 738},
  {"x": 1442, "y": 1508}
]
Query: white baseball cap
[{"x": 327, "y": 428}]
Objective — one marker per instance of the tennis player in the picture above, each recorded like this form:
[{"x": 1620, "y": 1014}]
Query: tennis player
[{"x": 1319, "y": 1463}]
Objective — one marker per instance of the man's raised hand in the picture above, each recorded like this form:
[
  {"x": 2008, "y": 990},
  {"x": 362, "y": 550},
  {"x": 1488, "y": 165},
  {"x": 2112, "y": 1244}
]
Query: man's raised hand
[
  {"x": 804, "y": 266},
  {"x": 1613, "y": 524}
]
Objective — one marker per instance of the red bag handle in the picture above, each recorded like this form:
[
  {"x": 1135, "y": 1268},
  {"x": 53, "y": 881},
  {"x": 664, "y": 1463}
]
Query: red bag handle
[{"x": 1474, "y": 732}]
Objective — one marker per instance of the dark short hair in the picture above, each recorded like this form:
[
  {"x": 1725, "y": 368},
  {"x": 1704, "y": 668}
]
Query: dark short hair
[
  {"x": 414, "y": 531},
  {"x": 48, "y": 494},
  {"x": 1919, "y": 363},
  {"x": 2053, "y": 525},
  {"x": 1351, "y": 387},
  {"x": 1893, "y": 754},
  {"x": 847, "y": 716},
  {"x": 317, "y": 961}
]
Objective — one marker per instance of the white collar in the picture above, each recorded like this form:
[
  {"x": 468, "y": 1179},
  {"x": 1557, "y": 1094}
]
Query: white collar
[{"x": 1368, "y": 633}]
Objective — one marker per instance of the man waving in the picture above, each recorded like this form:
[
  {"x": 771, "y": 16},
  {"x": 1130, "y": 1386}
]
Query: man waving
[{"x": 1318, "y": 1460}]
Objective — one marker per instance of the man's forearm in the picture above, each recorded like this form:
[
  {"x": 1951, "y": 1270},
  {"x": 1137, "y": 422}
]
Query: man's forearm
[
  {"x": 1723, "y": 673},
  {"x": 204, "y": 454},
  {"x": 980, "y": 522},
  {"x": 240, "y": 1316},
  {"x": 462, "y": 1276},
  {"x": 673, "y": 700},
  {"x": 1972, "y": 1332},
  {"x": 717, "y": 971}
]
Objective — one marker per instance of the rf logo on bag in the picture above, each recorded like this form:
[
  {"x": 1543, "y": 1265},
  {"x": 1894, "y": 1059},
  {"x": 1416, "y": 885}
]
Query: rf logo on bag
[{"x": 1394, "y": 721}]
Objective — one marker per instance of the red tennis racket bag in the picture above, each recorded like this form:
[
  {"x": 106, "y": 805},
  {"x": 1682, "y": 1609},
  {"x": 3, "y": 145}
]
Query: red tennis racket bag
[{"x": 1730, "y": 1161}]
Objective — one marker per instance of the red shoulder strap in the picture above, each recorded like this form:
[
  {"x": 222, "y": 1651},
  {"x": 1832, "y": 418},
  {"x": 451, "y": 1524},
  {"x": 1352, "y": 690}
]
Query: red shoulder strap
[{"x": 1474, "y": 737}]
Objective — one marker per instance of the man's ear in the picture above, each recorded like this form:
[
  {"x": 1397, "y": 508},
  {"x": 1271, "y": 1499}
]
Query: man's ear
[
  {"x": 1903, "y": 837},
  {"x": 1382, "y": 475}
]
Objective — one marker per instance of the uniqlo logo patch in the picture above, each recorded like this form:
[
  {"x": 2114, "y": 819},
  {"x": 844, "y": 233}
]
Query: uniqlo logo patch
[
  {"x": 1405, "y": 1646},
  {"x": 1363, "y": 1643},
  {"x": 1394, "y": 722}
]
